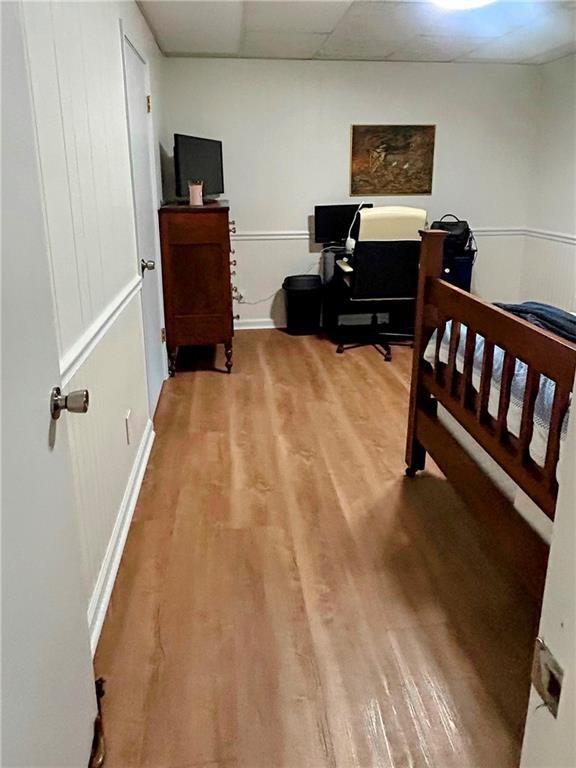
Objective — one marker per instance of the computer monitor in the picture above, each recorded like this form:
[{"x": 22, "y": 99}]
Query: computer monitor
[
  {"x": 198, "y": 159},
  {"x": 332, "y": 222}
]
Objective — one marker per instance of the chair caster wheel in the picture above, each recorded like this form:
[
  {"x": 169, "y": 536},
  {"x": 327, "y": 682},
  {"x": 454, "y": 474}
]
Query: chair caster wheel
[{"x": 410, "y": 472}]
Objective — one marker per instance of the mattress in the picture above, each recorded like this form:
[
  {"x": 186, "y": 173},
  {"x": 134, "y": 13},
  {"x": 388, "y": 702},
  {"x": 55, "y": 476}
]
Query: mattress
[{"x": 544, "y": 400}]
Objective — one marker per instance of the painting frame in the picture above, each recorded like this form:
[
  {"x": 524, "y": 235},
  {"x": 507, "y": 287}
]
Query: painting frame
[{"x": 410, "y": 142}]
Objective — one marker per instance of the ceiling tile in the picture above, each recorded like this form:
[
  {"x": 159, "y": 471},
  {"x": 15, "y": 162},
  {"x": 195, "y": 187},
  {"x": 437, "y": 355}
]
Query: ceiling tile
[
  {"x": 386, "y": 20},
  {"x": 542, "y": 40},
  {"x": 294, "y": 15},
  {"x": 408, "y": 30},
  {"x": 490, "y": 21},
  {"x": 199, "y": 27},
  {"x": 552, "y": 55},
  {"x": 434, "y": 48},
  {"x": 281, "y": 45},
  {"x": 368, "y": 49}
]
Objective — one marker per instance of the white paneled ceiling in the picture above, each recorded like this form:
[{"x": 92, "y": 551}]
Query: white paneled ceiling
[{"x": 511, "y": 31}]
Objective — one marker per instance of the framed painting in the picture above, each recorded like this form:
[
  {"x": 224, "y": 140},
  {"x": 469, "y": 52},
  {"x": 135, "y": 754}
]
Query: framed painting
[{"x": 392, "y": 160}]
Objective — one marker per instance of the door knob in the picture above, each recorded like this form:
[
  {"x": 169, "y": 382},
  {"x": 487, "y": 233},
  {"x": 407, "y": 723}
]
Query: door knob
[
  {"x": 147, "y": 265},
  {"x": 76, "y": 402}
]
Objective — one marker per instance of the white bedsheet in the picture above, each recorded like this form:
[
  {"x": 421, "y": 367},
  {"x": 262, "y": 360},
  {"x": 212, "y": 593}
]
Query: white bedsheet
[{"x": 543, "y": 405}]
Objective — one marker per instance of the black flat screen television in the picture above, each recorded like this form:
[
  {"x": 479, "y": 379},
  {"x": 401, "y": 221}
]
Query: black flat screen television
[
  {"x": 332, "y": 222},
  {"x": 197, "y": 159}
]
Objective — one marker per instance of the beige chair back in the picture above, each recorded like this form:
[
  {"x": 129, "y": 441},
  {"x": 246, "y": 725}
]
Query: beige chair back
[{"x": 391, "y": 222}]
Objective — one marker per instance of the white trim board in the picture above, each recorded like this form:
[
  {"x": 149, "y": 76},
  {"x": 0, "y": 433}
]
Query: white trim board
[
  {"x": 271, "y": 235},
  {"x": 556, "y": 237},
  {"x": 255, "y": 325},
  {"x": 73, "y": 358},
  {"x": 105, "y": 582},
  {"x": 542, "y": 234}
]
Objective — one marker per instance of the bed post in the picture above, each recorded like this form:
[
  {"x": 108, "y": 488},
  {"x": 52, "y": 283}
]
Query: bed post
[{"x": 431, "y": 256}]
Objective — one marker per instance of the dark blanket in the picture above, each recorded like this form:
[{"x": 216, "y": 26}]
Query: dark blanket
[{"x": 550, "y": 318}]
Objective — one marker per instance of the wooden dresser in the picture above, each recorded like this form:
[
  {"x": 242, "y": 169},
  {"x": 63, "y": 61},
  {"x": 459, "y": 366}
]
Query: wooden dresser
[{"x": 195, "y": 244}]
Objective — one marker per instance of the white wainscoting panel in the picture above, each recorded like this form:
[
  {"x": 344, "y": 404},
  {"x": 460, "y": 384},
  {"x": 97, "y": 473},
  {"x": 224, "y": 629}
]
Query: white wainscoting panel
[
  {"x": 513, "y": 264},
  {"x": 76, "y": 72},
  {"x": 549, "y": 270},
  {"x": 103, "y": 459},
  {"x": 83, "y": 347},
  {"x": 264, "y": 259},
  {"x": 75, "y": 60}
]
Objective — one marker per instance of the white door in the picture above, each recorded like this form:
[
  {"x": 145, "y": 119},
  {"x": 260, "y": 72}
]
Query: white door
[
  {"x": 136, "y": 81},
  {"x": 48, "y": 697}
]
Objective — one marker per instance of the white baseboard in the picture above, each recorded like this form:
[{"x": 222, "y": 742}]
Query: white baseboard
[
  {"x": 253, "y": 325},
  {"x": 105, "y": 582}
]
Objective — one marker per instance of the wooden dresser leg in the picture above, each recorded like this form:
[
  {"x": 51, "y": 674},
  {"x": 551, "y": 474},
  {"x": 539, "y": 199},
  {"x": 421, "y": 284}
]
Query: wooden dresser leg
[{"x": 228, "y": 352}]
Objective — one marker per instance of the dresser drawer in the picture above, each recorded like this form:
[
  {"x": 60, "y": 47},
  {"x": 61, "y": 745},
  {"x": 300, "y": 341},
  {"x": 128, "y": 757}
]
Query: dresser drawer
[{"x": 180, "y": 229}]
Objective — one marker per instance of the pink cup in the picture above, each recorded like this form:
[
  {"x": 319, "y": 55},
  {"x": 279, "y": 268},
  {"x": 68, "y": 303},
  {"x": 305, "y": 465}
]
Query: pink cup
[{"x": 195, "y": 190}]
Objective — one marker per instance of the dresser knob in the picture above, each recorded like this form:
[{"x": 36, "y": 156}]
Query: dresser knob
[
  {"x": 233, "y": 230},
  {"x": 232, "y": 251},
  {"x": 233, "y": 263}
]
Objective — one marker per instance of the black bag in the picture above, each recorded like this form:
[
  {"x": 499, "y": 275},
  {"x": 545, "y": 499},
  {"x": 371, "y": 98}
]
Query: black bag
[
  {"x": 460, "y": 237},
  {"x": 459, "y": 251}
]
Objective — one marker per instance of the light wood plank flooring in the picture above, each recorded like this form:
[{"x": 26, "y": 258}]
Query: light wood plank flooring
[{"x": 288, "y": 599}]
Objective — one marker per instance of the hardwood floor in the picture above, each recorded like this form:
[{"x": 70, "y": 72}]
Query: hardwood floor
[{"x": 288, "y": 599}]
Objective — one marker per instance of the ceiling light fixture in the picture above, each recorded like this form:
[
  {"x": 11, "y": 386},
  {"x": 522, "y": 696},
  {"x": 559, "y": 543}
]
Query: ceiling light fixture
[{"x": 462, "y": 5}]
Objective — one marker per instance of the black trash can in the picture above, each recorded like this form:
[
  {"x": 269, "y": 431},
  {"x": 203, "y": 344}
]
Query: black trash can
[{"x": 303, "y": 303}]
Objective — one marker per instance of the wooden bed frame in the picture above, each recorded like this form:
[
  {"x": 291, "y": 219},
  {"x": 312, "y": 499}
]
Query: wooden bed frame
[{"x": 544, "y": 353}]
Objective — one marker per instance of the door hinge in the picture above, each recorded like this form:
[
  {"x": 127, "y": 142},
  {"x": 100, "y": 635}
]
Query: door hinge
[
  {"x": 163, "y": 335},
  {"x": 148, "y": 104}
]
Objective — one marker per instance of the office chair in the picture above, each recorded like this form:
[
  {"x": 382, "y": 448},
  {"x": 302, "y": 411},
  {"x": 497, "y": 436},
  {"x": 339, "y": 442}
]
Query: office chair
[{"x": 381, "y": 277}]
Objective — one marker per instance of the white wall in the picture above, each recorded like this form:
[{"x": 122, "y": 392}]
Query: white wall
[
  {"x": 285, "y": 127},
  {"x": 549, "y": 267},
  {"x": 75, "y": 55},
  {"x": 550, "y": 275},
  {"x": 550, "y": 742}
]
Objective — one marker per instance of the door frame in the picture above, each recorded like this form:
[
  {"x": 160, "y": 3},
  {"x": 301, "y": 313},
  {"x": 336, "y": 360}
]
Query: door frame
[{"x": 126, "y": 37}]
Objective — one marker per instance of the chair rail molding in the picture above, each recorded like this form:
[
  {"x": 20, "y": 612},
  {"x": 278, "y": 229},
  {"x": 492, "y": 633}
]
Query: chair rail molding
[
  {"x": 556, "y": 237},
  {"x": 73, "y": 358},
  {"x": 271, "y": 235},
  {"x": 542, "y": 234}
]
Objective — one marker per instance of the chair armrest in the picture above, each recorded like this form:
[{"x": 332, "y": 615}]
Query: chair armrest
[{"x": 344, "y": 266}]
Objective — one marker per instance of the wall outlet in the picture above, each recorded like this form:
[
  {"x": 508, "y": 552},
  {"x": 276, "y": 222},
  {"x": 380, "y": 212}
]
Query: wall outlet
[{"x": 128, "y": 425}]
